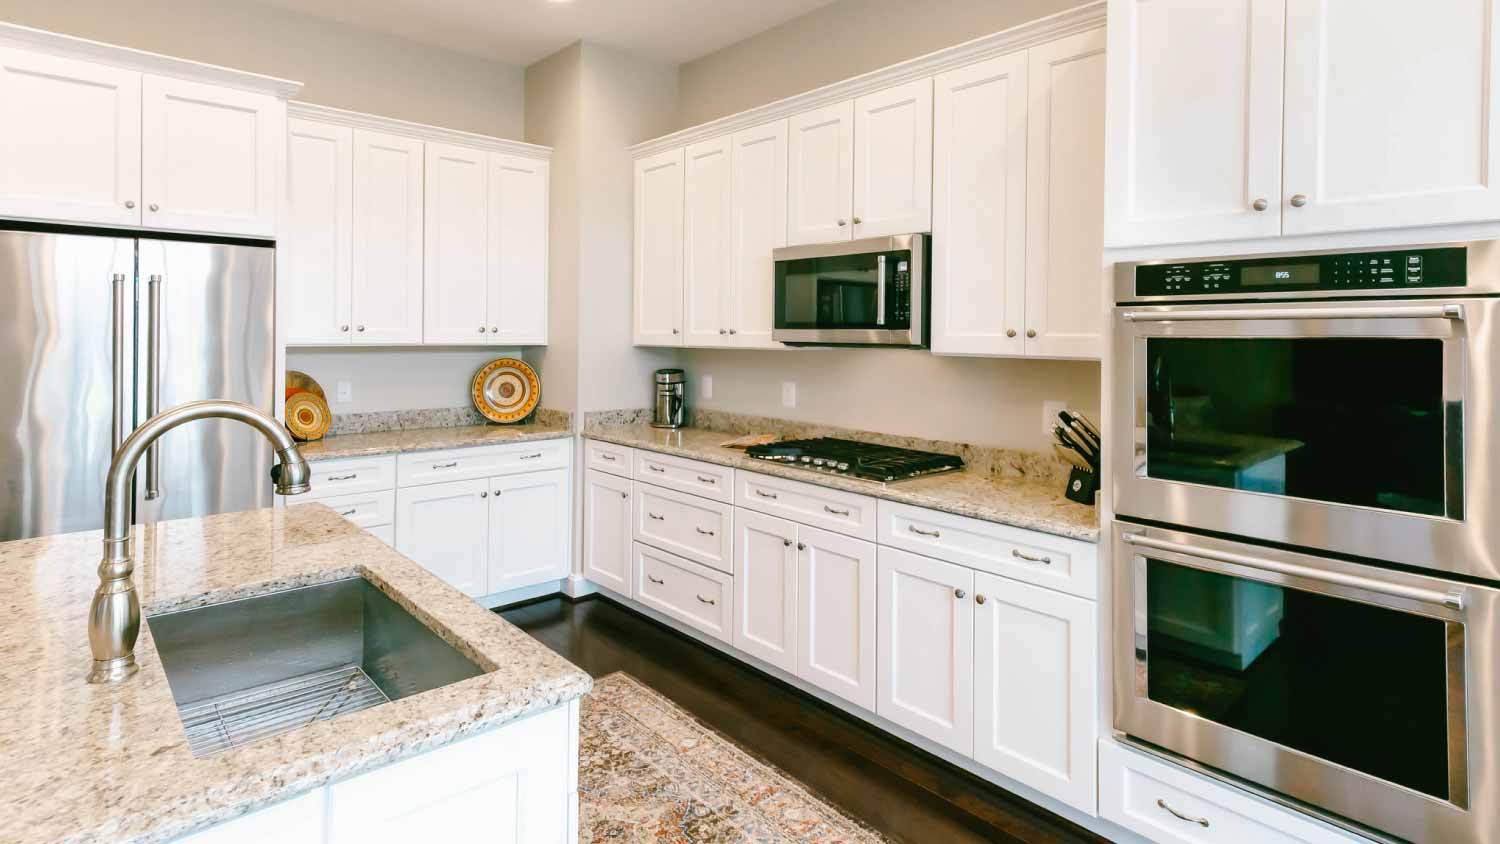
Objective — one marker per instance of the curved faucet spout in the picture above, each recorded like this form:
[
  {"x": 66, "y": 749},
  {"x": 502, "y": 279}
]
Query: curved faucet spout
[{"x": 115, "y": 616}]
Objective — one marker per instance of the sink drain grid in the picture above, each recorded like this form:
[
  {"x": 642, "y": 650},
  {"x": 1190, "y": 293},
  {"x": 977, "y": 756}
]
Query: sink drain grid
[{"x": 264, "y": 711}]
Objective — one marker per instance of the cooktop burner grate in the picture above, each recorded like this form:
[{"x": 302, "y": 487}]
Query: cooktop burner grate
[{"x": 871, "y": 462}]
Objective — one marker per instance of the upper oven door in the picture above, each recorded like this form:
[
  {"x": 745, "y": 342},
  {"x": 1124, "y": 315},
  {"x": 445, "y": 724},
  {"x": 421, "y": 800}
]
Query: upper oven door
[
  {"x": 1359, "y": 427},
  {"x": 863, "y": 292}
]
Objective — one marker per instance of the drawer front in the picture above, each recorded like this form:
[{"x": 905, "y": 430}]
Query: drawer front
[
  {"x": 332, "y": 478},
  {"x": 1067, "y": 565},
  {"x": 705, "y": 479},
  {"x": 366, "y": 509},
  {"x": 683, "y": 524},
  {"x": 693, "y": 594},
  {"x": 1172, "y": 805},
  {"x": 608, "y": 457},
  {"x": 830, "y": 509},
  {"x": 461, "y": 464}
]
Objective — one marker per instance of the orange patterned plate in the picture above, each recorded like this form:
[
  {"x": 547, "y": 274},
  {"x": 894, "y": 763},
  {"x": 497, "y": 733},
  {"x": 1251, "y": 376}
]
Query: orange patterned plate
[
  {"x": 307, "y": 416},
  {"x": 506, "y": 390}
]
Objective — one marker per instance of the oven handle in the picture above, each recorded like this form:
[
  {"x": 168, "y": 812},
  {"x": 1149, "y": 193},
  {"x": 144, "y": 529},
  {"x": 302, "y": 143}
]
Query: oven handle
[
  {"x": 1454, "y": 312},
  {"x": 1454, "y": 599}
]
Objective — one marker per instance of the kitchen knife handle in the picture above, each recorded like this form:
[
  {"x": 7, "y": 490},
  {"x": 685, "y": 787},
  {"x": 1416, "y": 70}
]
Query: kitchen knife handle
[{"x": 153, "y": 382}]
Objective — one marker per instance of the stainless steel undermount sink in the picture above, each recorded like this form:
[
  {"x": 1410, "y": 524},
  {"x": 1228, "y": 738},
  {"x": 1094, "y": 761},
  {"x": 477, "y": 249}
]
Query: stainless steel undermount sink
[{"x": 250, "y": 669}]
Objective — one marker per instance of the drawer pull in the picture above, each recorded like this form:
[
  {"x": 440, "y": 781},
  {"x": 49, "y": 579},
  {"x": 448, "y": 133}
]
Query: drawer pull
[
  {"x": 708, "y": 601},
  {"x": 609, "y": 457},
  {"x": 656, "y": 469},
  {"x": 702, "y": 479},
  {"x": 1203, "y": 822},
  {"x": 1046, "y": 561},
  {"x": 351, "y": 511},
  {"x": 763, "y": 494},
  {"x": 445, "y": 465},
  {"x": 835, "y": 512},
  {"x": 531, "y": 456},
  {"x": 656, "y": 517},
  {"x": 919, "y": 532},
  {"x": 349, "y": 477},
  {"x": 703, "y": 532},
  {"x": 654, "y": 579}
]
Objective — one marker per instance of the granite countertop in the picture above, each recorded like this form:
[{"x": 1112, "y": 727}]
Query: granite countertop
[
  {"x": 86, "y": 763},
  {"x": 1019, "y": 502},
  {"x": 427, "y": 439}
]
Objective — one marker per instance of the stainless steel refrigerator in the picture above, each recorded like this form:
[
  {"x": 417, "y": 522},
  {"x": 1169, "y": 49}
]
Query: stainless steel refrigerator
[{"x": 97, "y": 333}]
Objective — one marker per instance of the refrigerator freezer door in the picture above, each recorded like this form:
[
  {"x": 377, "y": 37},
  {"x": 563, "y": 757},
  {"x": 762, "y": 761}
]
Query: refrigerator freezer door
[
  {"x": 213, "y": 316},
  {"x": 56, "y": 377}
]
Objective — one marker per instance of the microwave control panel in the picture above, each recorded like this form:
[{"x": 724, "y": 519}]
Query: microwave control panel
[
  {"x": 1403, "y": 268},
  {"x": 902, "y": 280}
]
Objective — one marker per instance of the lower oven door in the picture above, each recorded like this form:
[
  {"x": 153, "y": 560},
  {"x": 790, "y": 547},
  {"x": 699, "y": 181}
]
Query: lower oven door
[{"x": 1371, "y": 695}]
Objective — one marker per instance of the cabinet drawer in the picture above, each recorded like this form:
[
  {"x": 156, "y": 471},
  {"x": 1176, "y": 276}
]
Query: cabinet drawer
[
  {"x": 332, "y": 478},
  {"x": 693, "y": 527},
  {"x": 1067, "y": 565},
  {"x": 831, "y": 509},
  {"x": 366, "y": 509},
  {"x": 693, "y": 594},
  {"x": 1172, "y": 805},
  {"x": 608, "y": 457},
  {"x": 705, "y": 479},
  {"x": 458, "y": 464}
]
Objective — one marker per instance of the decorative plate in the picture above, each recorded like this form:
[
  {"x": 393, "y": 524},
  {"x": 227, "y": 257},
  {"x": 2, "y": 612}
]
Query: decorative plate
[
  {"x": 307, "y": 416},
  {"x": 299, "y": 382},
  {"x": 506, "y": 390}
]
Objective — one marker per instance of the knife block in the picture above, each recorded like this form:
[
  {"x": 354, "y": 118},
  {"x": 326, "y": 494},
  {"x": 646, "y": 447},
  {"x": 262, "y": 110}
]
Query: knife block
[{"x": 1083, "y": 486}]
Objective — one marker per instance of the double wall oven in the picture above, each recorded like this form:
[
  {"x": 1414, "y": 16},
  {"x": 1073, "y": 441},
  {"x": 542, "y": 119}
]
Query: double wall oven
[{"x": 1307, "y": 557}]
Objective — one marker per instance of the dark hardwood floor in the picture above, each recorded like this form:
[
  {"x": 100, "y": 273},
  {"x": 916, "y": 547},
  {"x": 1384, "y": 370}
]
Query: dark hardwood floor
[{"x": 899, "y": 789}]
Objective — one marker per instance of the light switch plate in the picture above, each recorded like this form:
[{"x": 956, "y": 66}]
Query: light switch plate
[
  {"x": 345, "y": 392},
  {"x": 706, "y": 391},
  {"x": 788, "y": 393}
]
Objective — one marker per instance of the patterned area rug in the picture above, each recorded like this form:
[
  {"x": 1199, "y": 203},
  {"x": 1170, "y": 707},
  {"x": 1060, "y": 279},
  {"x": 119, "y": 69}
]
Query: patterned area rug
[{"x": 650, "y": 772}]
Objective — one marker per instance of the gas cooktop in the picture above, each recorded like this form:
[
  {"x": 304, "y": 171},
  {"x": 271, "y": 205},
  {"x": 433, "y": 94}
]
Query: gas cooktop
[{"x": 882, "y": 463}]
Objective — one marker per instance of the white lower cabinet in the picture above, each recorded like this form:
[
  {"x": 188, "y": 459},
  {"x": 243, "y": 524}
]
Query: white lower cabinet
[
  {"x": 529, "y": 525},
  {"x": 694, "y": 594},
  {"x": 1035, "y": 687},
  {"x": 926, "y": 635},
  {"x": 836, "y": 614},
  {"x": 765, "y": 588},
  {"x": 606, "y": 536},
  {"x": 685, "y": 525},
  {"x": 445, "y": 528},
  {"x": 296, "y": 821}
]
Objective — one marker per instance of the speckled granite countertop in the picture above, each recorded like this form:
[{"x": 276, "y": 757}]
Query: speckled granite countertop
[
  {"x": 1019, "y": 502},
  {"x": 427, "y": 439},
  {"x": 86, "y": 763}
]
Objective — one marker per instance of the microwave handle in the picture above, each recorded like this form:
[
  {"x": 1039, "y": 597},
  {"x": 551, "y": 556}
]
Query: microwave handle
[
  {"x": 880, "y": 290},
  {"x": 1454, "y": 600},
  {"x": 1455, "y": 312}
]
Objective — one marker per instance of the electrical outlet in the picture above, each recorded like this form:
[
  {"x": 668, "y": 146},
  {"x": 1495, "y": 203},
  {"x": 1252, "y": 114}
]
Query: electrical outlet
[
  {"x": 706, "y": 391},
  {"x": 1049, "y": 414},
  {"x": 788, "y": 393},
  {"x": 345, "y": 392}
]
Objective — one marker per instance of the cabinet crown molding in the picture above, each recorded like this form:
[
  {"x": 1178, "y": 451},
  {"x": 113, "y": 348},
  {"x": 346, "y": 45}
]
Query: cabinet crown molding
[
  {"x": 1042, "y": 30},
  {"x": 68, "y": 46},
  {"x": 418, "y": 131}
]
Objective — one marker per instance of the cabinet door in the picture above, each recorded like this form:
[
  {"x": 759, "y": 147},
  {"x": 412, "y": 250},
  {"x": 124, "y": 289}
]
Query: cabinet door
[
  {"x": 529, "y": 528},
  {"x": 316, "y": 242},
  {"x": 926, "y": 622},
  {"x": 708, "y": 261},
  {"x": 454, "y": 304},
  {"x": 210, "y": 157},
  {"x": 387, "y": 239},
  {"x": 519, "y": 188},
  {"x": 606, "y": 531},
  {"x": 295, "y": 821},
  {"x": 893, "y": 161},
  {"x": 1194, "y": 120},
  {"x": 979, "y": 209},
  {"x": 765, "y": 588},
  {"x": 1392, "y": 111},
  {"x": 836, "y": 614},
  {"x": 1065, "y": 272},
  {"x": 1035, "y": 688},
  {"x": 659, "y": 249},
  {"x": 758, "y": 225},
  {"x": 445, "y": 528},
  {"x": 71, "y": 148},
  {"x": 820, "y": 175}
]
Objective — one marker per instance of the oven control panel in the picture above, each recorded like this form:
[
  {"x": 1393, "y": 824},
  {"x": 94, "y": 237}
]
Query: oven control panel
[{"x": 1401, "y": 268}]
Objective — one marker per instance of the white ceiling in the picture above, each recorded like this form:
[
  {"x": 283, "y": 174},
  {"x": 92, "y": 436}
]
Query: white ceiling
[{"x": 522, "y": 31}]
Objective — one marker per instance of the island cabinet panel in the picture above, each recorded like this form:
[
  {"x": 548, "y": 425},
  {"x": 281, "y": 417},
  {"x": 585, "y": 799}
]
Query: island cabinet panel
[{"x": 296, "y": 821}]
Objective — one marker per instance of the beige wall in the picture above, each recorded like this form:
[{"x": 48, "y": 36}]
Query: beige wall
[
  {"x": 341, "y": 66},
  {"x": 394, "y": 378}
]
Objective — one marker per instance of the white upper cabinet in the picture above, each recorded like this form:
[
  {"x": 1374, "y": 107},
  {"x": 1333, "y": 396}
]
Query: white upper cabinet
[
  {"x": 979, "y": 209},
  {"x": 71, "y": 146},
  {"x": 758, "y": 226},
  {"x": 1065, "y": 270},
  {"x": 708, "y": 262},
  {"x": 315, "y": 244},
  {"x": 387, "y": 299},
  {"x": 518, "y": 250},
  {"x": 1391, "y": 115},
  {"x": 820, "y": 173},
  {"x": 456, "y": 281},
  {"x": 1194, "y": 119},
  {"x": 893, "y": 161},
  {"x": 659, "y": 249},
  {"x": 210, "y": 157},
  {"x": 529, "y": 529}
]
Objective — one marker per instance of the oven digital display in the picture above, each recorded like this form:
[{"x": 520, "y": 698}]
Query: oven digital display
[{"x": 1275, "y": 275}]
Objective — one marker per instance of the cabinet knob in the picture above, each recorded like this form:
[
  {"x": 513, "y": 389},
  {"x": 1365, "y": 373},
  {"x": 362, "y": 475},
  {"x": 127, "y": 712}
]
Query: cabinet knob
[
  {"x": 484, "y": 495},
  {"x": 786, "y": 542},
  {"x": 959, "y": 593},
  {"x": 857, "y": 221},
  {"x": 1299, "y": 200},
  {"x": 732, "y": 331},
  {"x": 494, "y": 329},
  {"x": 481, "y": 329},
  {"x": 675, "y": 331},
  {"x": 1010, "y": 332},
  {"x": 801, "y": 546},
  {"x": 979, "y": 599},
  {"x": 1031, "y": 332},
  {"x": 1260, "y": 204},
  {"x": 361, "y": 328},
  {"x": 843, "y": 223},
  {"x": 343, "y": 328},
  {"x": 723, "y": 331},
  {"x": 154, "y": 207},
  {"x": 129, "y": 203}
]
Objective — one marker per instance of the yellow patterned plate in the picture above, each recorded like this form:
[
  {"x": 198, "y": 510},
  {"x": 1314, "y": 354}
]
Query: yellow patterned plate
[
  {"x": 307, "y": 416},
  {"x": 506, "y": 390}
]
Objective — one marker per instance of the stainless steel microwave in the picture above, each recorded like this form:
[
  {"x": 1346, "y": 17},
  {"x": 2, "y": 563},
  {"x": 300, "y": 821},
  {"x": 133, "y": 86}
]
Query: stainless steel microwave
[{"x": 870, "y": 292}]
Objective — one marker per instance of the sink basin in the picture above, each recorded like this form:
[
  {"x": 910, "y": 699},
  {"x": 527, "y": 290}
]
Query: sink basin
[{"x": 245, "y": 670}]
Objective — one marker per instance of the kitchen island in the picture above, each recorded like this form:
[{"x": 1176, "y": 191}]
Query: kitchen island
[{"x": 85, "y": 763}]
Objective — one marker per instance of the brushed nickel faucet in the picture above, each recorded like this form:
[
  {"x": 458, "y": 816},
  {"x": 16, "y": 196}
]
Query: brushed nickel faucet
[{"x": 115, "y": 616}]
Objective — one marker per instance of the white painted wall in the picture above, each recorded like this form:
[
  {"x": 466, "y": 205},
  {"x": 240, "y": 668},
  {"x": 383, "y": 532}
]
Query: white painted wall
[{"x": 395, "y": 378}]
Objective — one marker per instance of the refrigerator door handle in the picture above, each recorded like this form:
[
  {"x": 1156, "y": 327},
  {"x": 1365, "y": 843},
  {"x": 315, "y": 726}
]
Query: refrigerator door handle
[
  {"x": 153, "y": 382},
  {"x": 120, "y": 354}
]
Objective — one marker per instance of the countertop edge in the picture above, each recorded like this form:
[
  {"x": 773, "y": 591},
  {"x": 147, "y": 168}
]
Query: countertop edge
[{"x": 437, "y": 443}]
